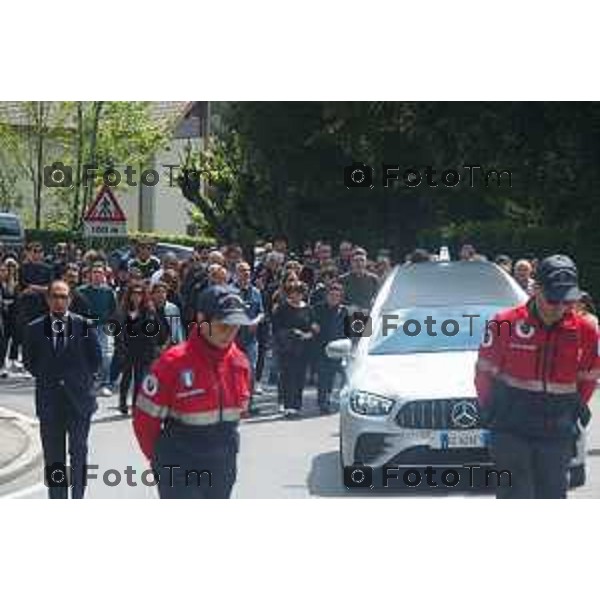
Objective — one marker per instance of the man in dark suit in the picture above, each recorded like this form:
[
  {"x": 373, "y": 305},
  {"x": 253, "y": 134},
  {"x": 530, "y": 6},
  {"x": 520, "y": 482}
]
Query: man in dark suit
[{"x": 62, "y": 352}]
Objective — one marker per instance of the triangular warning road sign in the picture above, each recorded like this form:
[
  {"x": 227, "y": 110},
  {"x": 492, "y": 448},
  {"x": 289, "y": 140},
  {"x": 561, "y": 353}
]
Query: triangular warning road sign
[{"x": 105, "y": 208}]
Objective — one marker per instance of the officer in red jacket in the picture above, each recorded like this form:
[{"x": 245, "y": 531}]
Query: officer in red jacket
[
  {"x": 187, "y": 414},
  {"x": 536, "y": 372}
]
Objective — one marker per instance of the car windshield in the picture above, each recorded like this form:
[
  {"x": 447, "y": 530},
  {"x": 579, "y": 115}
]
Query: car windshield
[
  {"x": 450, "y": 284},
  {"x": 412, "y": 330},
  {"x": 9, "y": 226}
]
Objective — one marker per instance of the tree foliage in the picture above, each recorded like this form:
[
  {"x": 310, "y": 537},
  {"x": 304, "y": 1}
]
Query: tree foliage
[{"x": 285, "y": 174}]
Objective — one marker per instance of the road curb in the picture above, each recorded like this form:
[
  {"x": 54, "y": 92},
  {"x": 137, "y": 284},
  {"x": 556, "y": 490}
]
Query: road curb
[{"x": 31, "y": 450}]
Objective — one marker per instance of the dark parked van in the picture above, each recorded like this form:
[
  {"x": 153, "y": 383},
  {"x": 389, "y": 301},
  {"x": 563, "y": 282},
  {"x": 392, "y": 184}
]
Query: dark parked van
[{"x": 12, "y": 235}]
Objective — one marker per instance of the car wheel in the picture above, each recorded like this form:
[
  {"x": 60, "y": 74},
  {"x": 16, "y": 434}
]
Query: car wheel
[{"x": 576, "y": 476}]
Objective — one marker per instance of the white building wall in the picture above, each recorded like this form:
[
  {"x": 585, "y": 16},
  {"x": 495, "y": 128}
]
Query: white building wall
[{"x": 169, "y": 209}]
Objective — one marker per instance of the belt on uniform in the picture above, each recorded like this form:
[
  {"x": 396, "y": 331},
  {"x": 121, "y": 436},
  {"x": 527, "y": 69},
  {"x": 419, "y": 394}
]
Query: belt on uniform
[{"x": 201, "y": 434}]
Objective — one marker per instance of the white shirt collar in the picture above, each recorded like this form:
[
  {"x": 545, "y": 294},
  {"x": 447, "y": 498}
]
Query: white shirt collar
[{"x": 65, "y": 316}]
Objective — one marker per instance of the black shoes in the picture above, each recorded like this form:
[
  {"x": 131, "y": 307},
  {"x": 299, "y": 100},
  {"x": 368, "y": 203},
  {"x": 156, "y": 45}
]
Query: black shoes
[{"x": 291, "y": 413}]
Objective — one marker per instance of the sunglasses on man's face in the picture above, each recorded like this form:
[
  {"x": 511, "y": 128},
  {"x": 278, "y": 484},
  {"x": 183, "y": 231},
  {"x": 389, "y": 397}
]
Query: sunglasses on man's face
[
  {"x": 138, "y": 292},
  {"x": 60, "y": 296}
]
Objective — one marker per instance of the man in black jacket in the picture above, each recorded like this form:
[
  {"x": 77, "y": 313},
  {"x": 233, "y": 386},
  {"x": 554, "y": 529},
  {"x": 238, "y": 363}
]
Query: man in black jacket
[
  {"x": 328, "y": 319},
  {"x": 62, "y": 352}
]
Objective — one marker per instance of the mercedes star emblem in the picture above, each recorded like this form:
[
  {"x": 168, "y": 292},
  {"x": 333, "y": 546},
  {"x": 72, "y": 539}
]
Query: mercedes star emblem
[{"x": 464, "y": 414}]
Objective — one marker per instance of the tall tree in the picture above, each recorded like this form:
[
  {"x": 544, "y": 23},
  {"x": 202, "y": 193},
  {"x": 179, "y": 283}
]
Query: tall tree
[{"x": 293, "y": 155}]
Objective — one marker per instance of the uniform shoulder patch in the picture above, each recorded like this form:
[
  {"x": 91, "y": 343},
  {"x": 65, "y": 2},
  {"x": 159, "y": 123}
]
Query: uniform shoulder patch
[
  {"x": 150, "y": 385},
  {"x": 186, "y": 377},
  {"x": 524, "y": 330},
  {"x": 488, "y": 338}
]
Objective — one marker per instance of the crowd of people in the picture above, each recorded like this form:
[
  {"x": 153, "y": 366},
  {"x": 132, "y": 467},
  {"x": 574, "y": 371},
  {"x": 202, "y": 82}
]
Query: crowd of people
[{"x": 143, "y": 305}]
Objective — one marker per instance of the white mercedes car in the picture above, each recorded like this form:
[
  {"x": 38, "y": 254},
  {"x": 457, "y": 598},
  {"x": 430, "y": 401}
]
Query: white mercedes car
[{"x": 410, "y": 398}]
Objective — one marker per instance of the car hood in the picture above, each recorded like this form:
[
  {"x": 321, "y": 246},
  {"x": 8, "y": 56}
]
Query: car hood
[{"x": 417, "y": 376}]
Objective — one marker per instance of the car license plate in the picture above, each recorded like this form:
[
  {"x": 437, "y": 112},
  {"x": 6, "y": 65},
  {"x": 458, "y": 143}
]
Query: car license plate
[{"x": 463, "y": 439}]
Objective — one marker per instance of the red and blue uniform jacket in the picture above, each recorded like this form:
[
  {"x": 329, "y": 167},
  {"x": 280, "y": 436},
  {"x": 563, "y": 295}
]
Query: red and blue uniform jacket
[
  {"x": 194, "y": 385},
  {"x": 534, "y": 379}
]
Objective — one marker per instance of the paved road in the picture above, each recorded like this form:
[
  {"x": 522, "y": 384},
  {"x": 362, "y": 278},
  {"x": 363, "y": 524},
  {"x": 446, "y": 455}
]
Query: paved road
[{"x": 278, "y": 459}]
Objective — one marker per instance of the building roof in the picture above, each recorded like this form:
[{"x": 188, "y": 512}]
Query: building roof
[
  {"x": 17, "y": 113},
  {"x": 169, "y": 110}
]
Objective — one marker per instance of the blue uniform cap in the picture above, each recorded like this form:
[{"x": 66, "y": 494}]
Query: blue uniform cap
[
  {"x": 222, "y": 303},
  {"x": 557, "y": 275}
]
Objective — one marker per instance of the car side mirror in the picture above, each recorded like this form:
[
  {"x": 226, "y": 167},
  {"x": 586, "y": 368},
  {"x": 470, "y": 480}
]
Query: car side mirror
[{"x": 338, "y": 349}]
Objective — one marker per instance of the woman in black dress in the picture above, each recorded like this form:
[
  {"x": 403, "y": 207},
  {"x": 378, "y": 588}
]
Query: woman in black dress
[
  {"x": 292, "y": 332},
  {"x": 139, "y": 341},
  {"x": 9, "y": 291}
]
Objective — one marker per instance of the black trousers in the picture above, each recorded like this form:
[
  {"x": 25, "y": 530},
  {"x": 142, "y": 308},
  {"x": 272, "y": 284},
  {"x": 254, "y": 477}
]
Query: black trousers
[
  {"x": 8, "y": 337},
  {"x": 211, "y": 475},
  {"x": 538, "y": 467},
  {"x": 312, "y": 361},
  {"x": 328, "y": 367},
  {"x": 292, "y": 376},
  {"x": 262, "y": 338},
  {"x": 56, "y": 426},
  {"x": 132, "y": 368}
]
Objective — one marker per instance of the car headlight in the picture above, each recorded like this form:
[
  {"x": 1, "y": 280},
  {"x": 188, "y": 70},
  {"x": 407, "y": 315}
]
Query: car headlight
[{"x": 364, "y": 403}]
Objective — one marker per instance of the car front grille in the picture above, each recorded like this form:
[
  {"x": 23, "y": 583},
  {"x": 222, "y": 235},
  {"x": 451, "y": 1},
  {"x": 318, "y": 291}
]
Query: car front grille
[{"x": 434, "y": 414}]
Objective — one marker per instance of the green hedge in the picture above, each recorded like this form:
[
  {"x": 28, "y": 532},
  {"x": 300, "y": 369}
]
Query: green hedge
[
  {"x": 49, "y": 237},
  {"x": 502, "y": 237}
]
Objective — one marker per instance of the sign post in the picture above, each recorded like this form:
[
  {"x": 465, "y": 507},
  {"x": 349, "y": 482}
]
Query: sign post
[{"x": 105, "y": 218}]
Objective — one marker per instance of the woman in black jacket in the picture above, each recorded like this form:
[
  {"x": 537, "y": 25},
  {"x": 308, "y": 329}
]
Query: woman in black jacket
[
  {"x": 139, "y": 342},
  {"x": 9, "y": 291},
  {"x": 292, "y": 331}
]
